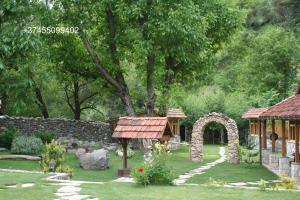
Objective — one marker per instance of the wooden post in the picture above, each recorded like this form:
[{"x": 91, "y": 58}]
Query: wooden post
[
  {"x": 264, "y": 134},
  {"x": 273, "y": 138},
  {"x": 283, "y": 141},
  {"x": 260, "y": 142},
  {"x": 297, "y": 159},
  {"x": 124, "y": 144}
]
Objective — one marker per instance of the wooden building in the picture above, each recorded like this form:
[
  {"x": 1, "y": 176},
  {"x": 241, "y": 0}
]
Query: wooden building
[
  {"x": 253, "y": 116},
  {"x": 282, "y": 121},
  {"x": 174, "y": 115}
]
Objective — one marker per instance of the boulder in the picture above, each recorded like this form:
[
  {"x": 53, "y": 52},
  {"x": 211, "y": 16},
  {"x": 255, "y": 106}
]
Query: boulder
[
  {"x": 98, "y": 159},
  {"x": 80, "y": 152}
]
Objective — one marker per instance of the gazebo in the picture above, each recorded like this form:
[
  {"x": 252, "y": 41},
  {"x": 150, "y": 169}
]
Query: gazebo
[
  {"x": 140, "y": 128},
  {"x": 284, "y": 119}
]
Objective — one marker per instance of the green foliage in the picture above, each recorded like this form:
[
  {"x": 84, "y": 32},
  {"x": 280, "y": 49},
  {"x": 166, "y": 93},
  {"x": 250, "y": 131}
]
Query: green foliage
[
  {"x": 155, "y": 172},
  {"x": 287, "y": 183},
  {"x": 65, "y": 169},
  {"x": 249, "y": 153},
  {"x": 6, "y": 137},
  {"x": 215, "y": 183},
  {"x": 45, "y": 136},
  {"x": 262, "y": 185},
  {"x": 27, "y": 145},
  {"x": 53, "y": 155},
  {"x": 140, "y": 175}
]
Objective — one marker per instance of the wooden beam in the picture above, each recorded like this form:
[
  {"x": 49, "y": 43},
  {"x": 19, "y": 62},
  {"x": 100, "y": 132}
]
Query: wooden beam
[
  {"x": 260, "y": 142},
  {"x": 283, "y": 140},
  {"x": 264, "y": 134},
  {"x": 273, "y": 138},
  {"x": 297, "y": 158},
  {"x": 124, "y": 144}
]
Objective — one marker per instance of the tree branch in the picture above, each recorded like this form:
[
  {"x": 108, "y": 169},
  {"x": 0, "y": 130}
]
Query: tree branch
[
  {"x": 107, "y": 76},
  {"x": 68, "y": 99}
]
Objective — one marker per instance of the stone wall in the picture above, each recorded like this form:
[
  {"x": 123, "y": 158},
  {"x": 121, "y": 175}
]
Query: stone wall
[{"x": 82, "y": 130}]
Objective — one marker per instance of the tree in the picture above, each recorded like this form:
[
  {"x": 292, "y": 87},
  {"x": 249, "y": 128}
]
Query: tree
[{"x": 169, "y": 39}]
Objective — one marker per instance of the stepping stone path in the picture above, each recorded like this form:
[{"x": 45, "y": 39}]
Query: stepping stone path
[
  {"x": 24, "y": 185},
  {"x": 70, "y": 191},
  {"x": 183, "y": 178}
]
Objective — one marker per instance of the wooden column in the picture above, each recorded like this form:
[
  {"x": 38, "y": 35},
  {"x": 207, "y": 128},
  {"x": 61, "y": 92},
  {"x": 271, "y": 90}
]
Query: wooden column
[
  {"x": 260, "y": 142},
  {"x": 273, "y": 138},
  {"x": 124, "y": 144},
  {"x": 283, "y": 141},
  {"x": 297, "y": 159},
  {"x": 264, "y": 135}
]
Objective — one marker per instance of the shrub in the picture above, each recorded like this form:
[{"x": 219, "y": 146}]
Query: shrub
[
  {"x": 216, "y": 183},
  {"x": 155, "y": 172},
  {"x": 141, "y": 176},
  {"x": 27, "y": 145},
  {"x": 6, "y": 137},
  {"x": 65, "y": 169},
  {"x": 262, "y": 185},
  {"x": 45, "y": 136},
  {"x": 287, "y": 183},
  {"x": 53, "y": 157}
]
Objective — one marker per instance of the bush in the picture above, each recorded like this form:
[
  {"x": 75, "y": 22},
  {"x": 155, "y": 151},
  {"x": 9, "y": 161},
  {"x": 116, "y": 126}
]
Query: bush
[
  {"x": 287, "y": 183},
  {"x": 27, "y": 145},
  {"x": 155, "y": 172},
  {"x": 45, "y": 136},
  {"x": 7, "y": 136},
  {"x": 53, "y": 157},
  {"x": 262, "y": 185}
]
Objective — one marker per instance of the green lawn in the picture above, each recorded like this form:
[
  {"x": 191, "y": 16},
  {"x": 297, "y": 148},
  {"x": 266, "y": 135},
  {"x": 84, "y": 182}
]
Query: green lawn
[
  {"x": 116, "y": 191},
  {"x": 179, "y": 162},
  {"x": 42, "y": 190},
  {"x": 45, "y": 191}
]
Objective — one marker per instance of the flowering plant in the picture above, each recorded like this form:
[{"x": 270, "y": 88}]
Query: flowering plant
[{"x": 156, "y": 171}]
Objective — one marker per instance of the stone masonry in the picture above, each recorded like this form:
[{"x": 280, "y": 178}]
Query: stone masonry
[
  {"x": 198, "y": 131},
  {"x": 82, "y": 130}
]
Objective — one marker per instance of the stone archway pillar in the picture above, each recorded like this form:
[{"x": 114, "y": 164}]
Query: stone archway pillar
[{"x": 198, "y": 131}]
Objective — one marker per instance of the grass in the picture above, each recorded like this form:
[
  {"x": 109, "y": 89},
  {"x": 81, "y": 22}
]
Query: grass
[
  {"x": 42, "y": 190},
  {"x": 116, "y": 191},
  {"x": 234, "y": 173},
  {"x": 179, "y": 162}
]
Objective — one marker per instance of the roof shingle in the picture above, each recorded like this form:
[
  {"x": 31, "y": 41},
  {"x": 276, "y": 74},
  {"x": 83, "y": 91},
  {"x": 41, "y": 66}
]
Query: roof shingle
[
  {"x": 175, "y": 113},
  {"x": 142, "y": 127},
  {"x": 254, "y": 113},
  {"x": 286, "y": 109}
]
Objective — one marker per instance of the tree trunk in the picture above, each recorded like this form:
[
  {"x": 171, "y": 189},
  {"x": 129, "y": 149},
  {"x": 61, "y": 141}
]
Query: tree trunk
[
  {"x": 118, "y": 83},
  {"x": 77, "y": 109},
  {"x": 40, "y": 102},
  {"x": 150, "y": 86},
  {"x": 3, "y": 103}
]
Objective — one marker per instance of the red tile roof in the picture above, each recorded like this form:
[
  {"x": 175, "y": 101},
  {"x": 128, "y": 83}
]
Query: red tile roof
[
  {"x": 254, "y": 113},
  {"x": 175, "y": 113},
  {"x": 287, "y": 109},
  {"x": 142, "y": 127}
]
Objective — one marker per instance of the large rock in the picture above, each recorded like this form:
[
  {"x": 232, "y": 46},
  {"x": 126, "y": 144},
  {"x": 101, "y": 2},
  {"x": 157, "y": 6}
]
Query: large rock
[
  {"x": 98, "y": 159},
  {"x": 80, "y": 152}
]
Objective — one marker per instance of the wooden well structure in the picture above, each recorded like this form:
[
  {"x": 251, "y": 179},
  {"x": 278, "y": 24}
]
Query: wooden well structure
[{"x": 140, "y": 128}]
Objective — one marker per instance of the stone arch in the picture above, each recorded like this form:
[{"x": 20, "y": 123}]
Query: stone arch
[{"x": 198, "y": 131}]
